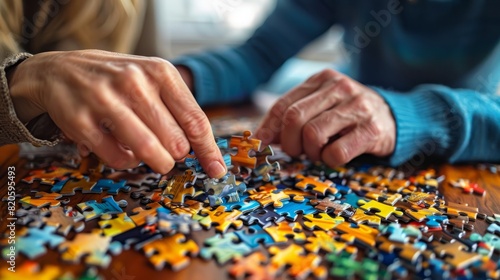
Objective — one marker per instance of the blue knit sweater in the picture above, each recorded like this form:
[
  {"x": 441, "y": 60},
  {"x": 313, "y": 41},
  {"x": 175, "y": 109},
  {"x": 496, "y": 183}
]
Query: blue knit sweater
[{"x": 436, "y": 63}]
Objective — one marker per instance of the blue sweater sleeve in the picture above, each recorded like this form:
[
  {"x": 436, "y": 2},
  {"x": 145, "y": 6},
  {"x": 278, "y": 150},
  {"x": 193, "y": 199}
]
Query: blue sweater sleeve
[
  {"x": 232, "y": 74},
  {"x": 434, "y": 121}
]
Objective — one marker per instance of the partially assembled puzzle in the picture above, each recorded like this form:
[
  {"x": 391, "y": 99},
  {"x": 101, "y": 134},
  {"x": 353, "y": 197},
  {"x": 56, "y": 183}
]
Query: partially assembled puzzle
[{"x": 272, "y": 217}]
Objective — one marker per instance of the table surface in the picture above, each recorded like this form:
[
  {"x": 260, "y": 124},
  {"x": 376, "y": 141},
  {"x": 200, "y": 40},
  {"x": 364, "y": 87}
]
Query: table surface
[{"x": 132, "y": 263}]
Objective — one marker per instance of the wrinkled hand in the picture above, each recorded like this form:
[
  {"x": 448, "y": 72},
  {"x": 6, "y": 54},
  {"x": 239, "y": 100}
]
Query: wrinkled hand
[
  {"x": 124, "y": 108},
  {"x": 332, "y": 118}
]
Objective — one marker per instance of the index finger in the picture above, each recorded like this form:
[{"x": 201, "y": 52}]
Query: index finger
[{"x": 180, "y": 102}]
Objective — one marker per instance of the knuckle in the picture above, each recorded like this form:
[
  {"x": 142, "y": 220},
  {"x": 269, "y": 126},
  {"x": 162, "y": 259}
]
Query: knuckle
[
  {"x": 279, "y": 108},
  {"x": 345, "y": 85},
  {"x": 179, "y": 147},
  {"x": 196, "y": 125},
  {"x": 162, "y": 66},
  {"x": 343, "y": 153},
  {"x": 312, "y": 134},
  {"x": 363, "y": 106},
  {"x": 373, "y": 131},
  {"x": 293, "y": 116},
  {"x": 327, "y": 74}
]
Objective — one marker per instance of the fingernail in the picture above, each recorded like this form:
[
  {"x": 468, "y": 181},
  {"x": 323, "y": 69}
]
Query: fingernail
[{"x": 215, "y": 169}]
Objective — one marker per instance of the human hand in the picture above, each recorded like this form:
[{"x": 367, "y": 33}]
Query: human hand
[
  {"x": 330, "y": 117},
  {"x": 124, "y": 108}
]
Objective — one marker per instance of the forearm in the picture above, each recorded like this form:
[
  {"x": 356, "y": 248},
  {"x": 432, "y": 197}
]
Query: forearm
[
  {"x": 455, "y": 125},
  {"x": 12, "y": 129}
]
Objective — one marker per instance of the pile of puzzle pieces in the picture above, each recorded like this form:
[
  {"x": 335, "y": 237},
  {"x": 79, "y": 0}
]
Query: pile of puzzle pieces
[{"x": 272, "y": 216}]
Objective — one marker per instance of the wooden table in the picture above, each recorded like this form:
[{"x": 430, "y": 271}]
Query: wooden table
[{"x": 132, "y": 264}]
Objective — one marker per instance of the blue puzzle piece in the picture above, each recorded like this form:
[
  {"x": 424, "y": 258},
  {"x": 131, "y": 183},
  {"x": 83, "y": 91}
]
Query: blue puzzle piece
[
  {"x": 110, "y": 186},
  {"x": 193, "y": 162},
  {"x": 254, "y": 236},
  {"x": 33, "y": 243},
  {"x": 493, "y": 228},
  {"x": 352, "y": 199},
  {"x": 343, "y": 189},
  {"x": 92, "y": 209},
  {"x": 490, "y": 239},
  {"x": 292, "y": 208},
  {"x": 243, "y": 205},
  {"x": 435, "y": 221},
  {"x": 57, "y": 187}
]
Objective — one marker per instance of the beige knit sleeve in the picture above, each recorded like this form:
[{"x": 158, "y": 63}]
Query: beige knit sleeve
[{"x": 12, "y": 130}]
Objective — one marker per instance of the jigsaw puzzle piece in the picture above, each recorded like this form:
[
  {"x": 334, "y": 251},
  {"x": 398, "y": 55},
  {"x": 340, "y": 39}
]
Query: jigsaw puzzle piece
[
  {"x": 116, "y": 226},
  {"x": 254, "y": 236},
  {"x": 110, "y": 186},
  {"x": 380, "y": 209},
  {"x": 322, "y": 221},
  {"x": 224, "y": 248},
  {"x": 32, "y": 241},
  {"x": 172, "y": 250},
  {"x": 456, "y": 254},
  {"x": 266, "y": 198},
  {"x": 244, "y": 145},
  {"x": 315, "y": 184},
  {"x": 64, "y": 219},
  {"x": 245, "y": 205},
  {"x": 92, "y": 209},
  {"x": 264, "y": 169},
  {"x": 360, "y": 217},
  {"x": 140, "y": 215},
  {"x": 179, "y": 186},
  {"x": 222, "y": 219},
  {"x": 264, "y": 217},
  {"x": 329, "y": 205},
  {"x": 251, "y": 267},
  {"x": 93, "y": 247},
  {"x": 285, "y": 230},
  {"x": 31, "y": 271},
  {"x": 345, "y": 266},
  {"x": 361, "y": 233},
  {"x": 149, "y": 195},
  {"x": 227, "y": 188},
  {"x": 405, "y": 251},
  {"x": 136, "y": 236},
  {"x": 327, "y": 241},
  {"x": 43, "y": 199},
  {"x": 300, "y": 265},
  {"x": 292, "y": 209},
  {"x": 69, "y": 187},
  {"x": 190, "y": 207},
  {"x": 168, "y": 222},
  {"x": 51, "y": 175}
]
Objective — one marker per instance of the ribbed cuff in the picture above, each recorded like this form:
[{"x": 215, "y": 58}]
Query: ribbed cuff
[
  {"x": 422, "y": 125},
  {"x": 12, "y": 130}
]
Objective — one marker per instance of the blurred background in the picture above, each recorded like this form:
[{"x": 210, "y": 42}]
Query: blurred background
[{"x": 175, "y": 27}]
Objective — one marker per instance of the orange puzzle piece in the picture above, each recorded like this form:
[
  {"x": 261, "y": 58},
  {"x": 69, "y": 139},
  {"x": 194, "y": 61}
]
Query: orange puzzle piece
[
  {"x": 252, "y": 266},
  {"x": 172, "y": 250},
  {"x": 301, "y": 265},
  {"x": 244, "y": 145},
  {"x": 284, "y": 230}
]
